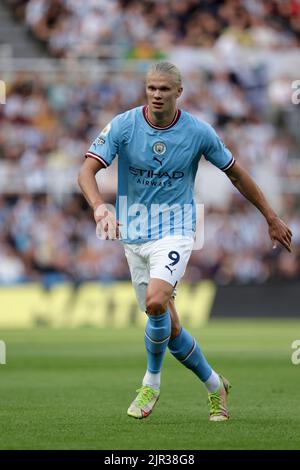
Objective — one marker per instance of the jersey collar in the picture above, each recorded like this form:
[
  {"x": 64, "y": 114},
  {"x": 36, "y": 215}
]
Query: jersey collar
[{"x": 174, "y": 121}]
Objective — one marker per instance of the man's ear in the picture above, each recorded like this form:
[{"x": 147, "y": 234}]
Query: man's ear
[{"x": 179, "y": 92}]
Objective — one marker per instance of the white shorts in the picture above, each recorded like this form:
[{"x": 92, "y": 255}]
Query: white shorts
[{"x": 164, "y": 259}]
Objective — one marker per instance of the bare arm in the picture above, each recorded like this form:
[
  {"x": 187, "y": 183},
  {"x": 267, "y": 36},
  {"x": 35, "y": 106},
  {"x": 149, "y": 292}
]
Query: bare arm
[
  {"x": 105, "y": 220},
  {"x": 278, "y": 230},
  {"x": 88, "y": 184}
]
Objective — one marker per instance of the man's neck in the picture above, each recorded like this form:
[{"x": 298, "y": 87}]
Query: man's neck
[{"x": 161, "y": 119}]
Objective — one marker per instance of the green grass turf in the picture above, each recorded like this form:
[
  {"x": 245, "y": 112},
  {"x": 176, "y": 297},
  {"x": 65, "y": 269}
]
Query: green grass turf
[{"x": 70, "y": 389}]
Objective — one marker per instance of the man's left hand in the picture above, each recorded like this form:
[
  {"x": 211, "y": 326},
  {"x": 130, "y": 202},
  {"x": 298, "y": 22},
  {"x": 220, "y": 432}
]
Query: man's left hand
[{"x": 279, "y": 231}]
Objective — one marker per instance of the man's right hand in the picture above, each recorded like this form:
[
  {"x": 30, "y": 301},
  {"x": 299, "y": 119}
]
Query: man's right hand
[{"x": 108, "y": 228}]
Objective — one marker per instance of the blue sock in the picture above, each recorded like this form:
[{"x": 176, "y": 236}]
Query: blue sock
[
  {"x": 157, "y": 335},
  {"x": 188, "y": 352}
]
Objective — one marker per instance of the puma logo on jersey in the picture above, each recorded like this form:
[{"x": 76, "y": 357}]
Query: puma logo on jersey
[
  {"x": 158, "y": 160},
  {"x": 171, "y": 270}
]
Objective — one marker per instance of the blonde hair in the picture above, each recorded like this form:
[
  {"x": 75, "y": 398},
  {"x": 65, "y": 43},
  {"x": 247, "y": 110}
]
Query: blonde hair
[{"x": 166, "y": 68}]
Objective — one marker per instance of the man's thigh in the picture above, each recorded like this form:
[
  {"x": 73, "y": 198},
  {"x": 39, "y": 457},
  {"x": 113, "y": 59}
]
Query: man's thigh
[{"x": 168, "y": 259}]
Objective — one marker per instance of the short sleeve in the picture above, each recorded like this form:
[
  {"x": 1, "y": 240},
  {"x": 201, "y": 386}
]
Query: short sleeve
[
  {"x": 215, "y": 151},
  {"x": 106, "y": 146}
]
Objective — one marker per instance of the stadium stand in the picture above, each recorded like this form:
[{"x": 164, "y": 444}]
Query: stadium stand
[
  {"x": 48, "y": 122},
  {"x": 147, "y": 29}
]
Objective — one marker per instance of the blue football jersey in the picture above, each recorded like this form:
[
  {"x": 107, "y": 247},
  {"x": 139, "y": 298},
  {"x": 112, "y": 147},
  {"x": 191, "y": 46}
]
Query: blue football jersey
[{"x": 156, "y": 171}]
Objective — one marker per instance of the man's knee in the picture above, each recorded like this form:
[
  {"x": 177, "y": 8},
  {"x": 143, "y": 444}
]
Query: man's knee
[{"x": 155, "y": 305}]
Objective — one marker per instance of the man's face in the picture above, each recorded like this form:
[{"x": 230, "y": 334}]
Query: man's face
[{"x": 162, "y": 93}]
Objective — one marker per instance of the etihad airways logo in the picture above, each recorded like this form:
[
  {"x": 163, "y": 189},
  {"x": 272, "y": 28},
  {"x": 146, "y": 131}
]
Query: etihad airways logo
[{"x": 155, "y": 174}]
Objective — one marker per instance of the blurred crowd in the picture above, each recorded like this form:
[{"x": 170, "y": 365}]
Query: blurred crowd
[
  {"x": 50, "y": 241},
  {"x": 148, "y": 28},
  {"x": 47, "y": 241},
  {"x": 47, "y": 231},
  {"x": 237, "y": 248}
]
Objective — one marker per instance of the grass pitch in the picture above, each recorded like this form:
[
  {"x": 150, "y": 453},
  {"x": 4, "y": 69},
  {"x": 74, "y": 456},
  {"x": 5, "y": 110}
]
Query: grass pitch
[{"x": 70, "y": 389}]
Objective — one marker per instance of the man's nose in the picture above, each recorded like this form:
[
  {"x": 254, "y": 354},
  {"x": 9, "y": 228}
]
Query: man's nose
[{"x": 157, "y": 94}]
